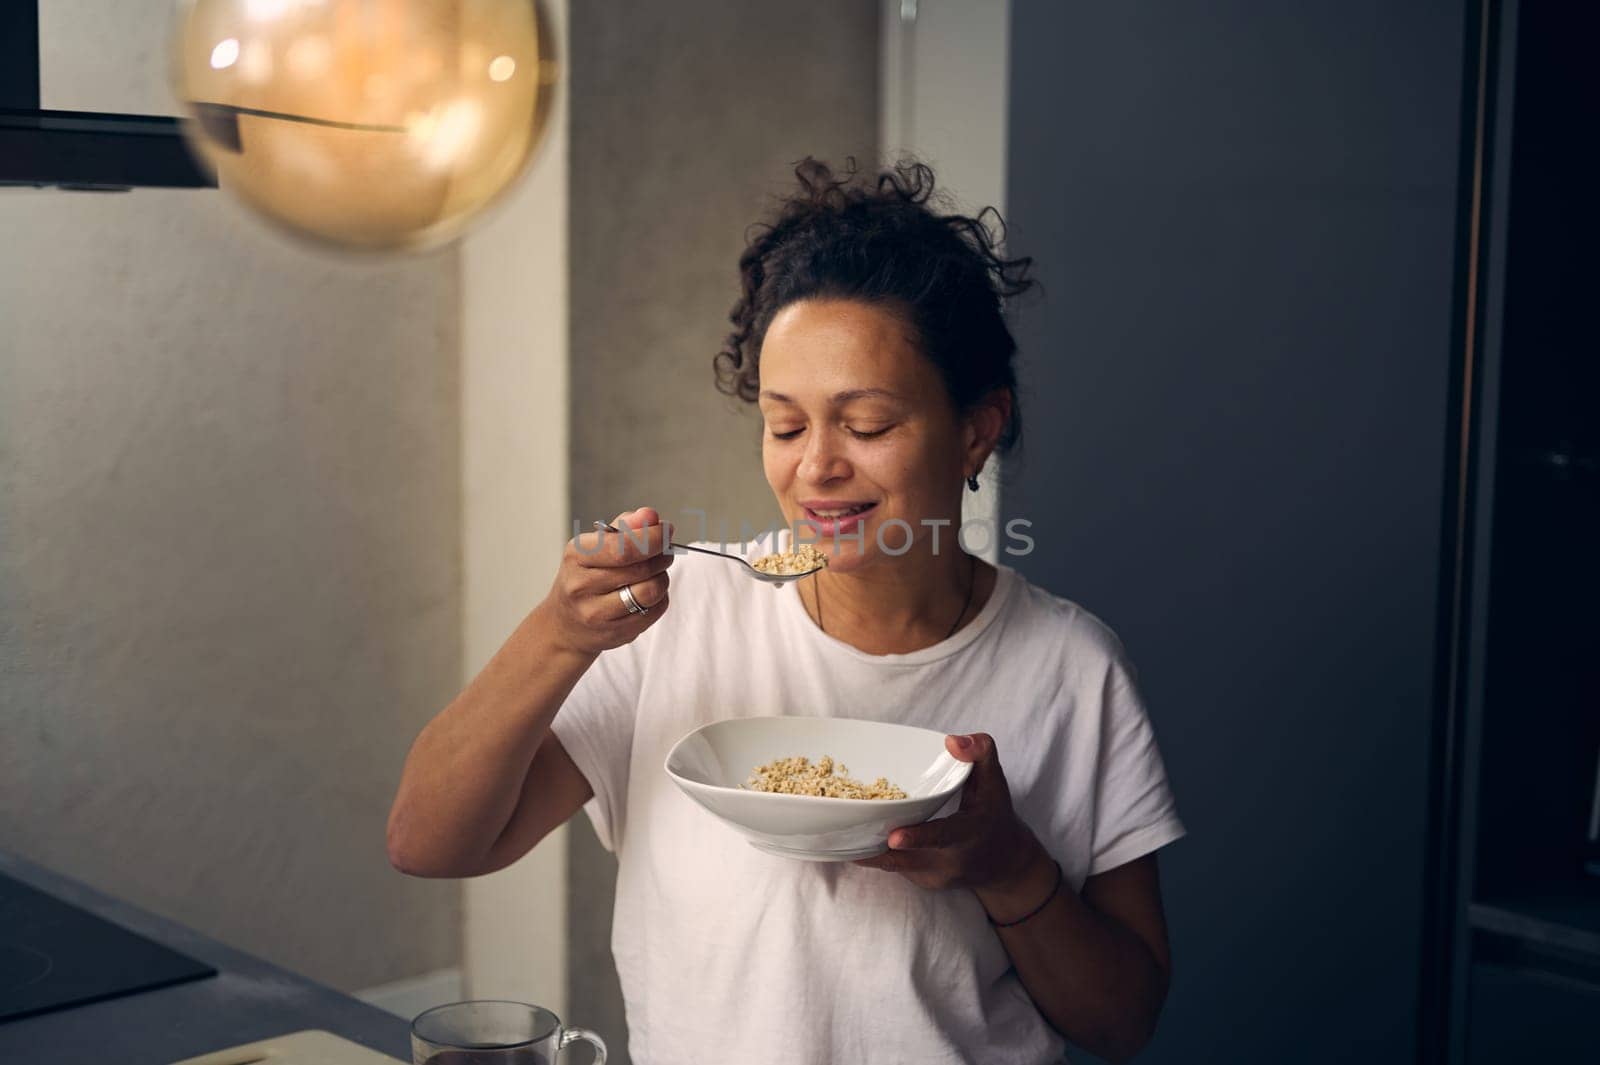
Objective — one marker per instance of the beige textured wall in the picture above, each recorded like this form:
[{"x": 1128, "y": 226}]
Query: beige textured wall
[
  {"x": 229, "y": 552},
  {"x": 686, "y": 119}
]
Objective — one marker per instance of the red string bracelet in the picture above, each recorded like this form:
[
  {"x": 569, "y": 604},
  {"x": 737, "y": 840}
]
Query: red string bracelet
[{"x": 1036, "y": 909}]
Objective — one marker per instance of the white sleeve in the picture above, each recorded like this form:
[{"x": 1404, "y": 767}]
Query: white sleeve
[
  {"x": 1134, "y": 813},
  {"x": 595, "y": 725}
]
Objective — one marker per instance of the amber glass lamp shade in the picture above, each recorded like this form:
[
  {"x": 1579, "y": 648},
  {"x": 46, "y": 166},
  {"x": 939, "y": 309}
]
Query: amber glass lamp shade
[{"x": 365, "y": 124}]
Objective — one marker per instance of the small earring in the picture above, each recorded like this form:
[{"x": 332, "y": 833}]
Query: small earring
[{"x": 972, "y": 482}]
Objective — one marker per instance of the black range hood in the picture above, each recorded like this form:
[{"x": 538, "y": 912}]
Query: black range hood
[{"x": 78, "y": 149}]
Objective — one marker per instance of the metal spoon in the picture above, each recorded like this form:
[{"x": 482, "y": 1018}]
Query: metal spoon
[{"x": 770, "y": 578}]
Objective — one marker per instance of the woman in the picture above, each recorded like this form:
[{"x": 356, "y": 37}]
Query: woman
[{"x": 870, "y": 335}]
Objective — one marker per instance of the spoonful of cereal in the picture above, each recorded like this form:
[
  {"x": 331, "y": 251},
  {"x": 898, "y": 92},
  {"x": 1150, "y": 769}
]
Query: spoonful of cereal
[{"x": 778, "y": 568}]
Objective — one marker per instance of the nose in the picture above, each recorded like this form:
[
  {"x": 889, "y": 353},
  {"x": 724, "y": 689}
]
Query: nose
[{"x": 824, "y": 460}]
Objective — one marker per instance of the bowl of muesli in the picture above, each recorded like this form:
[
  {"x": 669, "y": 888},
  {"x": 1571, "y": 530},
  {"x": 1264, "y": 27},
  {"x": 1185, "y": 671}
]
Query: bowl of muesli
[{"x": 826, "y": 789}]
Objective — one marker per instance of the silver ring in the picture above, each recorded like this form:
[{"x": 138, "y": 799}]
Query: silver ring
[{"x": 626, "y": 592}]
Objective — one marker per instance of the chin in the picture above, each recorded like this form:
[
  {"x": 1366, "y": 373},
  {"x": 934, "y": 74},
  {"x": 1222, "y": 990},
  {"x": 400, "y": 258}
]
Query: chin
[
  {"x": 844, "y": 553},
  {"x": 848, "y": 558},
  {"x": 853, "y": 556}
]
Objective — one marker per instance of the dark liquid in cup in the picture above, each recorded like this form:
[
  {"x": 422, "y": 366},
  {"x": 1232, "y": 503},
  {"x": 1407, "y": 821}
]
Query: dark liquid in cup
[{"x": 504, "y": 1056}]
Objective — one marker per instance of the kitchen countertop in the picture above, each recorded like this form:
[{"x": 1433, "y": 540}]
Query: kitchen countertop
[{"x": 247, "y": 1000}]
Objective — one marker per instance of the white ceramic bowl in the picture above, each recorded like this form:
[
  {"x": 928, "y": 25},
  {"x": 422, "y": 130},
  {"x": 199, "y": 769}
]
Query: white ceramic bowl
[{"x": 712, "y": 763}]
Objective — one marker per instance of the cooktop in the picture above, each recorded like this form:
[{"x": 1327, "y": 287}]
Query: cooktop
[{"x": 53, "y": 955}]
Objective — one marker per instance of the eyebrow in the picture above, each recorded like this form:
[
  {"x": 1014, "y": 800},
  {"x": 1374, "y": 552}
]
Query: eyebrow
[{"x": 837, "y": 397}]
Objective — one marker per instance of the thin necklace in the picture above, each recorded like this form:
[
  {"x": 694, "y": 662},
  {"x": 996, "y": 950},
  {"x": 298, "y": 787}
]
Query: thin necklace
[{"x": 972, "y": 583}]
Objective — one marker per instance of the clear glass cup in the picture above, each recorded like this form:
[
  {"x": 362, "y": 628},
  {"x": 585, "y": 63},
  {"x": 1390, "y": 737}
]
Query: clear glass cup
[{"x": 494, "y": 1032}]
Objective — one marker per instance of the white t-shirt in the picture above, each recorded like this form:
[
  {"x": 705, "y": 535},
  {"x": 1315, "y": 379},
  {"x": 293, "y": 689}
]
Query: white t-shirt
[{"x": 729, "y": 956}]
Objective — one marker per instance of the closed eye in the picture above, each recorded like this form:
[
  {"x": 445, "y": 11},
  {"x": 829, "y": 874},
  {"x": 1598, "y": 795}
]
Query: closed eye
[{"x": 859, "y": 434}]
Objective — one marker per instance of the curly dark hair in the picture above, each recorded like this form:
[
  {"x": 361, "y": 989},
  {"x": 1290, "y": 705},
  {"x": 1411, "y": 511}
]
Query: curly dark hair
[{"x": 881, "y": 240}]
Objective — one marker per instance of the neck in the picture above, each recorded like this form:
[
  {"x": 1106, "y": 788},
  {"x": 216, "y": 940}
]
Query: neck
[{"x": 898, "y": 605}]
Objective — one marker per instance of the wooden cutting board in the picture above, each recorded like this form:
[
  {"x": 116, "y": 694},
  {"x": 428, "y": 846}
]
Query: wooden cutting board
[{"x": 310, "y": 1047}]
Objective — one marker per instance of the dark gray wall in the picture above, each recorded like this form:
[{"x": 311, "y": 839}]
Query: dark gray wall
[
  {"x": 686, "y": 120},
  {"x": 1236, "y": 393}
]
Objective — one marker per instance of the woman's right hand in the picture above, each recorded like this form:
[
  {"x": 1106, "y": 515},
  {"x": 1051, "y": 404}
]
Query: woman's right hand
[{"x": 585, "y": 602}]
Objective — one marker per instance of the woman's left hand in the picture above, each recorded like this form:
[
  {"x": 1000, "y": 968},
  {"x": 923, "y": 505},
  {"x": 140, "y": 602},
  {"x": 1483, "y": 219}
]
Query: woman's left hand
[{"x": 983, "y": 845}]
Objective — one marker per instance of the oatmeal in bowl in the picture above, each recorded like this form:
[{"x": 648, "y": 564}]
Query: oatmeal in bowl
[
  {"x": 783, "y": 782},
  {"x": 799, "y": 776}
]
